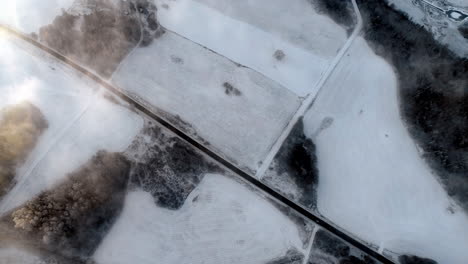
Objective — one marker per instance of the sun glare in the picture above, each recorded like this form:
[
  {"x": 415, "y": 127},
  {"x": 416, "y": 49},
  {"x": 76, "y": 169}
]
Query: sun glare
[
  {"x": 8, "y": 15},
  {"x": 25, "y": 91}
]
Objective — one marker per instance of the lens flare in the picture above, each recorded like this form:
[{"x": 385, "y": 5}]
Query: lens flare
[
  {"x": 8, "y": 14},
  {"x": 24, "y": 91}
]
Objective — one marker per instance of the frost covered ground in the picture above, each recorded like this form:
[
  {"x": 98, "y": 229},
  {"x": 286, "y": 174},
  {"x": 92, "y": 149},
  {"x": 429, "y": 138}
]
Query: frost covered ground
[
  {"x": 47, "y": 86},
  {"x": 370, "y": 176},
  {"x": 226, "y": 87},
  {"x": 75, "y": 110},
  {"x": 230, "y": 86},
  {"x": 231, "y": 75},
  {"x": 219, "y": 101},
  {"x": 373, "y": 182},
  {"x": 221, "y": 222},
  {"x": 253, "y": 41},
  {"x": 366, "y": 160},
  {"x": 211, "y": 225}
]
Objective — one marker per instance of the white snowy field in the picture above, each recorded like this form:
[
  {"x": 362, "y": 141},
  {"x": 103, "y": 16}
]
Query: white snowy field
[
  {"x": 295, "y": 21},
  {"x": 373, "y": 181},
  {"x": 222, "y": 221},
  {"x": 250, "y": 32},
  {"x": 182, "y": 78},
  {"x": 81, "y": 121},
  {"x": 29, "y": 15}
]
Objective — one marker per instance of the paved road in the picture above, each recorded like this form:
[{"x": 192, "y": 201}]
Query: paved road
[{"x": 246, "y": 176}]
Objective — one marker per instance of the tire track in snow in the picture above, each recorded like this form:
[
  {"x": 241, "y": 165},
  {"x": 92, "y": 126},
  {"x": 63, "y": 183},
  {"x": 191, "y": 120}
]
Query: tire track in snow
[
  {"x": 311, "y": 244},
  {"x": 40, "y": 156}
]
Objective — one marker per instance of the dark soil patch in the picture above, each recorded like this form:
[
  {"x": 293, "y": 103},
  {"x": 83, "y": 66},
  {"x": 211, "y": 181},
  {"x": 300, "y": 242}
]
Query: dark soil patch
[
  {"x": 21, "y": 126},
  {"x": 406, "y": 259},
  {"x": 463, "y": 29},
  {"x": 433, "y": 86},
  {"x": 341, "y": 11},
  {"x": 72, "y": 218},
  {"x": 101, "y": 40},
  {"x": 229, "y": 89},
  {"x": 279, "y": 55},
  {"x": 296, "y": 158},
  {"x": 150, "y": 25},
  {"x": 177, "y": 60},
  {"x": 292, "y": 257},
  {"x": 168, "y": 167},
  {"x": 328, "y": 243}
]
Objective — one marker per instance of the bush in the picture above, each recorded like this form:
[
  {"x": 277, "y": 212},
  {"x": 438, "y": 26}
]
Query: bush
[
  {"x": 20, "y": 127},
  {"x": 72, "y": 217}
]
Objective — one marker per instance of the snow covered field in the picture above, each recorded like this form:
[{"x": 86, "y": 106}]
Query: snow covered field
[
  {"x": 295, "y": 21},
  {"x": 372, "y": 180},
  {"x": 221, "y": 101},
  {"x": 221, "y": 222},
  {"x": 227, "y": 105},
  {"x": 81, "y": 120},
  {"x": 250, "y": 39}
]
